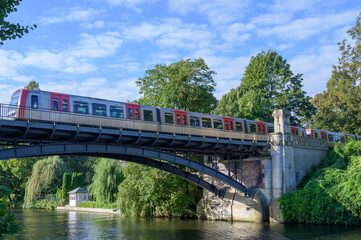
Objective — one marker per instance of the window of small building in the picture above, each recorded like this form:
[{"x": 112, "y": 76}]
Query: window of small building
[
  {"x": 253, "y": 128},
  {"x": 217, "y": 124},
  {"x": 194, "y": 121},
  {"x": 116, "y": 112},
  {"x": 55, "y": 104},
  {"x": 148, "y": 115},
  {"x": 239, "y": 126},
  {"x": 168, "y": 117},
  {"x": 80, "y": 107},
  {"x": 64, "y": 103},
  {"x": 206, "y": 122},
  {"x": 99, "y": 109},
  {"x": 34, "y": 102}
]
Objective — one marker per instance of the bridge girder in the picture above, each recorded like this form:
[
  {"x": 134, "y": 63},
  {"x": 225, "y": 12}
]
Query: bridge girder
[{"x": 130, "y": 153}]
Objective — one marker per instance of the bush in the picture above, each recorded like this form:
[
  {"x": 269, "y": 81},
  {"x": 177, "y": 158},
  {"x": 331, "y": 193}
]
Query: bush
[
  {"x": 43, "y": 204},
  {"x": 92, "y": 204},
  {"x": 332, "y": 194}
]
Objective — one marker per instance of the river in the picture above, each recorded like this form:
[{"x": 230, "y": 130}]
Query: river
[{"x": 42, "y": 224}]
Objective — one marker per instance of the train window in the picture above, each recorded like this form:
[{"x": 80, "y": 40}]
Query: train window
[
  {"x": 130, "y": 113},
  {"x": 206, "y": 122},
  {"x": 15, "y": 98},
  {"x": 253, "y": 128},
  {"x": 64, "y": 103},
  {"x": 148, "y": 115},
  {"x": 136, "y": 113},
  {"x": 217, "y": 124},
  {"x": 168, "y": 117},
  {"x": 194, "y": 121},
  {"x": 308, "y": 132},
  {"x": 239, "y": 126},
  {"x": 80, "y": 107},
  {"x": 270, "y": 129},
  {"x": 315, "y": 134},
  {"x": 330, "y": 137},
  {"x": 116, "y": 112},
  {"x": 55, "y": 104},
  {"x": 34, "y": 101},
  {"x": 303, "y": 133},
  {"x": 99, "y": 109}
]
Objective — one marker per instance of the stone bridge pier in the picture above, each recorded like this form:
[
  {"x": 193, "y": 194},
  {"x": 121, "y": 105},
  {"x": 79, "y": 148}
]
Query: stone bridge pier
[{"x": 272, "y": 175}]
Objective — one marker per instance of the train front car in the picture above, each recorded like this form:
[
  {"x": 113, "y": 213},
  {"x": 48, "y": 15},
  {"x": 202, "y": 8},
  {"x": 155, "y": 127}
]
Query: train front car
[{"x": 18, "y": 104}]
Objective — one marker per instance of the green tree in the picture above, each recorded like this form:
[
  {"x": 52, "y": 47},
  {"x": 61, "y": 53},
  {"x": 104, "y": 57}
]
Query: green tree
[
  {"x": 149, "y": 192},
  {"x": 32, "y": 85},
  {"x": 74, "y": 181},
  {"x": 80, "y": 179},
  {"x": 45, "y": 178},
  {"x": 186, "y": 85},
  {"x": 108, "y": 176},
  {"x": 339, "y": 106},
  {"x": 11, "y": 30},
  {"x": 16, "y": 172},
  {"x": 66, "y": 187},
  {"x": 267, "y": 84},
  {"x": 7, "y": 221}
]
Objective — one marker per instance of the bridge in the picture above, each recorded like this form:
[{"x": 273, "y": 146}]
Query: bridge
[{"x": 246, "y": 173}]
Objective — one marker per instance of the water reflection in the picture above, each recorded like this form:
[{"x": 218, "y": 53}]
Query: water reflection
[{"x": 37, "y": 224}]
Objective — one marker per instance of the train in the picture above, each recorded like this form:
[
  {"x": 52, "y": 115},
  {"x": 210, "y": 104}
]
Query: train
[{"x": 67, "y": 108}]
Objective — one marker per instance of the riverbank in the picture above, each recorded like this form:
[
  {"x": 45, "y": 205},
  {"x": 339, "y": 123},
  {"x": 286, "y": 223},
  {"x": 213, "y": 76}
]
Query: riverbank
[{"x": 83, "y": 209}]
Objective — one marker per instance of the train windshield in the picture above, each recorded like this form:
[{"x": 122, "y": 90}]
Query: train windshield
[{"x": 15, "y": 98}]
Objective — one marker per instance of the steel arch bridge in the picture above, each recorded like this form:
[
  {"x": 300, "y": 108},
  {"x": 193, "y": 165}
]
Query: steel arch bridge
[{"x": 154, "y": 149}]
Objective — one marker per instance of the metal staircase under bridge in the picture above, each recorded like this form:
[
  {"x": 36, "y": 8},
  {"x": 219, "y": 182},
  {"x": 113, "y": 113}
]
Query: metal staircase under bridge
[{"x": 33, "y": 136}]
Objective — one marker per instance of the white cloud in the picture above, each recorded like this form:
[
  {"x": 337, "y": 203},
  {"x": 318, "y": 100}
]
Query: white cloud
[
  {"x": 237, "y": 33},
  {"x": 272, "y": 19},
  {"x": 132, "y": 4},
  {"x": 217, "y": 12},
  {"x": 304, "y": 28},
  {"x": 316, "y": 67},
  {"x": 75, "y": 14},
  {"x": 294, "y": 5}
]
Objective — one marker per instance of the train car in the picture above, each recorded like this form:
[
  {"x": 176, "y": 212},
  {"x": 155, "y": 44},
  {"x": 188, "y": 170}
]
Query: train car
[
  {"x": 298, "y": 131},
  {"x": 256, "y": 127},
  {"x": 314, "y": 133},
  {"x": 270, "y": 127}
]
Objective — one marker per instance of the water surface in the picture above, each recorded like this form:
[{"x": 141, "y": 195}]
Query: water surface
[{"x": 42, "y": 224}]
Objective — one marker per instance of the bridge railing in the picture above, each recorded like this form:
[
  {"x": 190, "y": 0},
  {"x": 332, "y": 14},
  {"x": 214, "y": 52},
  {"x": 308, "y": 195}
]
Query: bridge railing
[{"x": 44, "y": 115}]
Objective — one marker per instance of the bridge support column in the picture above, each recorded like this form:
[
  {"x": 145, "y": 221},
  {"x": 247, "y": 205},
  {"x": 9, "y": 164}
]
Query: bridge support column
[{"x": 283, "y": 162}]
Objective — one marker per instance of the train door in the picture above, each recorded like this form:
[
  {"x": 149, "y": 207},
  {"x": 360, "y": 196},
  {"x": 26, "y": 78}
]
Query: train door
[
  {"x": 323, "y": 135},
  {"x": 181, "y": 117},
  {"x": 261, "y": 128},
  {"x": 59, "y": 102},
  {"x": 133, "y": 111},
  {"x": 294, "y": 131},
  {"x": 228, "y": 123}
]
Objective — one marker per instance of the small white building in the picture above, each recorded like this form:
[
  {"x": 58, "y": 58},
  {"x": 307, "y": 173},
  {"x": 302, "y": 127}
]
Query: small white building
[{"x": 78, "y": 195}]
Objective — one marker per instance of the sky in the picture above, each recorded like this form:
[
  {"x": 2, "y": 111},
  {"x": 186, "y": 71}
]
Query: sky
[{"x": 99, "y": 48}]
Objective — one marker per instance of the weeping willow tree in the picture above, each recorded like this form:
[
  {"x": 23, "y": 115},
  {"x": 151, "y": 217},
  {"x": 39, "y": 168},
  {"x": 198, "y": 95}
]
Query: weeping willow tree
[
  {"x": 108, "y": 176},
  {"x": 46, "y": 176}
]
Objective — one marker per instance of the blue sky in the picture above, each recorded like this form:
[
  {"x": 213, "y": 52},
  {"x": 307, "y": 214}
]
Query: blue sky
[{"x": 100, "y": 47}]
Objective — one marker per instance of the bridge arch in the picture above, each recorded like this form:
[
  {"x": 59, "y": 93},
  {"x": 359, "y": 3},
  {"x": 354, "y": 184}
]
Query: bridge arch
[{"x": 130, "y": 153}]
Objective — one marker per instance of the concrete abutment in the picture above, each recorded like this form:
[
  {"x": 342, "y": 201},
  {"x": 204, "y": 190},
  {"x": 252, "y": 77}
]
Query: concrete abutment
[{"x": 291, "y": 157}]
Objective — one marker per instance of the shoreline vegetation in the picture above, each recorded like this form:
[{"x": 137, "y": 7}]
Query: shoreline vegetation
[{"x": 330, "y": 192}]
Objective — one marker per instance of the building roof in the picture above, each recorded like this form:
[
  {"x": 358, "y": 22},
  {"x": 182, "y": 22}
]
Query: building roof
[{"x": 79, "y": 190}]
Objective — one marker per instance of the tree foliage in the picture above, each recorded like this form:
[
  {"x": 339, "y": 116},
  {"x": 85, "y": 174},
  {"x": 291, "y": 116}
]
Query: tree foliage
[
  {"x": 267, "y": 84},
  {"x": 108, "y": 175},
  {"x": 149, "y": 192},
  {"x": 7, "y": 221},
  {"x": 16, "y": 173},
  {"x": 66, "y": 187},
  {"x": 32, "y": 85},
  {"x": 339, "y": 106},
  {"x": 11, "y": 30},
  {"x": 45, "y": 178},
  {"x": 332, "y": 194},
  {"x": 186, "y": 85}
]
